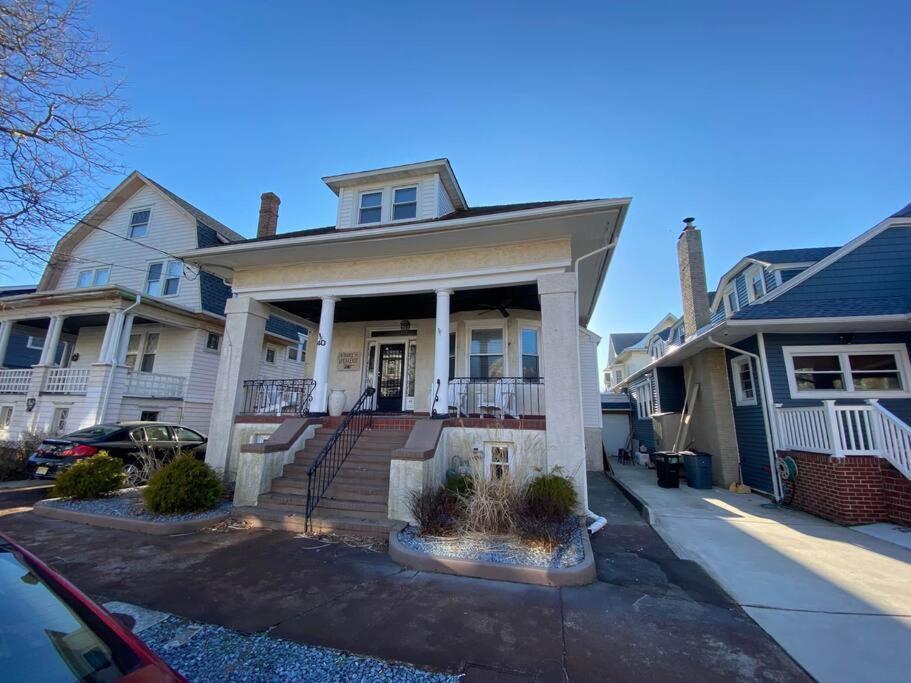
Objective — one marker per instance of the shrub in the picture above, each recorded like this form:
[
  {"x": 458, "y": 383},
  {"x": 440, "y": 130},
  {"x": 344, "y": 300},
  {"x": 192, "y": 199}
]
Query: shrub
[
  {"x": 460, "y": 484},
  {"x": 439, "y": 512},
  {"x": 492, "y": 506},
  {"x": 14, "y": 454},
  {"x": 90, "y": 478},
  {"x": 551, "y": 495},
  {"x": 183, "y": 485}
]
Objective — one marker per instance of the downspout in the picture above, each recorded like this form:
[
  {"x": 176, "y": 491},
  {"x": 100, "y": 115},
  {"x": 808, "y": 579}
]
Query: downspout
[
  {"x": 600, "y": 521},
  {"x": 115, "y": 357},
  {"x": 765, "y": 413}
]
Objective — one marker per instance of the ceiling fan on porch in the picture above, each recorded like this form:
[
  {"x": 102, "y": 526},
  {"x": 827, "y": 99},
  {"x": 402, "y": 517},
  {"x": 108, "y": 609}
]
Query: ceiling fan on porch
[{"x": 502, "y": 307}]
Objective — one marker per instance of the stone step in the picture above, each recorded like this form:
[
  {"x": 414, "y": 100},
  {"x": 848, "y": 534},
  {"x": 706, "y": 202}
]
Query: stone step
[
  {"x": 320, "y": 523},
  {"x": 378, "y": 491},
  {"x": 303, "y": 457},
  {"x": 374, "y": 436},
  {"x": 358, "y": 477},
  {"x": 338, "y": 501}
]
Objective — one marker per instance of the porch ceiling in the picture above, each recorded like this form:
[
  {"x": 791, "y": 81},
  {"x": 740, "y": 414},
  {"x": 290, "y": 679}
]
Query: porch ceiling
[{"x": 417, "y": 306}]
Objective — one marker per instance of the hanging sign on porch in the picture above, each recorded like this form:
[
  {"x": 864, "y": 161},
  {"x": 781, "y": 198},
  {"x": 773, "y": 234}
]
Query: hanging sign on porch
[{"x": 349, "y": 360}]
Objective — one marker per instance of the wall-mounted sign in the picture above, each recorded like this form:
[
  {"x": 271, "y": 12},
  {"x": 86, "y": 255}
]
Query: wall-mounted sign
[{"x": 349, "y": 360}]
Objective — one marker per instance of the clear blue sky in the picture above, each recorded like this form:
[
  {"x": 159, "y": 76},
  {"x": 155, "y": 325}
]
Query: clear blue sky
[{"x": 775, "y": 124}]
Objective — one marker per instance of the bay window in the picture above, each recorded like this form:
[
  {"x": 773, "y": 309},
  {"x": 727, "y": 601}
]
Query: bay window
[{"x": 485, "y": 358}]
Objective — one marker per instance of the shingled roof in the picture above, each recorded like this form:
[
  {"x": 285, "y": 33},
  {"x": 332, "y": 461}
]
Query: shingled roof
[
  {"x": 808, "y": 255},
  {"x": 623, "y": 340}
]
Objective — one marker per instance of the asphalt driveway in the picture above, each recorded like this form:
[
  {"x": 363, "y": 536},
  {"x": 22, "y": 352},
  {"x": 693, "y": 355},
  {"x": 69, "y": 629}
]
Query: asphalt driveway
[{"x": 650, "y": 616}]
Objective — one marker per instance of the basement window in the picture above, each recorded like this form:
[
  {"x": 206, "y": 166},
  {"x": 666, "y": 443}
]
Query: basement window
[{"x": 497, "y": 457}]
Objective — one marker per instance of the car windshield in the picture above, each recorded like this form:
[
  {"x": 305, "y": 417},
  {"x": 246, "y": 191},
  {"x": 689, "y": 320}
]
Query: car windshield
[
  {"x": 96, "y": 432},
  {"x": 42, "y": 638}
]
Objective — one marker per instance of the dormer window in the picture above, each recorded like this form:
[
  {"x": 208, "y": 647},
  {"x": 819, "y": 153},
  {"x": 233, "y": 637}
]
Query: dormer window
[
  {"x": 139, "y": 223},
  {"x": 371, "y": 209},
  {"x": 405, "y": 203},
  {"x": 731, "y": 303},
  {"x": 757, "y": 284}
]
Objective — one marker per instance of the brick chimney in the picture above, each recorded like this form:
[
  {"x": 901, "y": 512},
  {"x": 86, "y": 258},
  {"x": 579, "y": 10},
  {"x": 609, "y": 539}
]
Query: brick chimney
[
  {"x": 693, "y": 289},
  {"x": 268, "y": 214}
]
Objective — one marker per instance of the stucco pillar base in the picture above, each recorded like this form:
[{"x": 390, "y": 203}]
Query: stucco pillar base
[{"x": 563, "y": 403}]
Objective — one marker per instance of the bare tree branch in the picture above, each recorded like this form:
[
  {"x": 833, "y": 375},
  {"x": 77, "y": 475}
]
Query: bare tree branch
[{"x": 61, "y": 118}]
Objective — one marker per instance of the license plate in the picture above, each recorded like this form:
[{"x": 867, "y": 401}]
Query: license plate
[{"x": 41, "y": 470}]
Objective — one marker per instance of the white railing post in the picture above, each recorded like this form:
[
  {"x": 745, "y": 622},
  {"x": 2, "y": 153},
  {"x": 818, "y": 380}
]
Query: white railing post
[
  {"x": 834, "y": 428},
  {"x": 879, "y": 436}
]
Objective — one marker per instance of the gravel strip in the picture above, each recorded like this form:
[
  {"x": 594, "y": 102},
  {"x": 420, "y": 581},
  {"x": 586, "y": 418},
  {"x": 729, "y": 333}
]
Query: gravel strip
[
  {"x": 128, "y": 503},
  {"x": 205, "y": 653},
  {"x": 510, "y": 551}
]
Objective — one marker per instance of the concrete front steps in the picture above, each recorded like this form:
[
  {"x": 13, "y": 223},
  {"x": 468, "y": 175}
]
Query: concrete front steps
[{"x": 356, "y": 503}]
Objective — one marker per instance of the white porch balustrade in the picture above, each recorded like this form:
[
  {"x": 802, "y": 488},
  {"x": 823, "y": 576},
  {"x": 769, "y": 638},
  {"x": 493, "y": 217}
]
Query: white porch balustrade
[
  {"x": 844, "y": 430},
  {"x": 15, "y": 381},
  {"x": 151, "y": 385},
  {"x": 66, "y": 381}
]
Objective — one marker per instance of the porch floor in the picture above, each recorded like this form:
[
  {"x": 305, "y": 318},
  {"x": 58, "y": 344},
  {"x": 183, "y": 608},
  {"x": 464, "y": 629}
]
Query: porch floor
[{"x": 837, "y": 600}]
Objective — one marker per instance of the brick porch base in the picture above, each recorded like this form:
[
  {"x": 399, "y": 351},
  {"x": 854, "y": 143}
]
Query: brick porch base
[{"x": 850, "y": 490}]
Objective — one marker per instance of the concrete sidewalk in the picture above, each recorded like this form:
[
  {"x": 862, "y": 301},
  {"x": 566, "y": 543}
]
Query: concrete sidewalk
[{"x": 837, "y": 600}]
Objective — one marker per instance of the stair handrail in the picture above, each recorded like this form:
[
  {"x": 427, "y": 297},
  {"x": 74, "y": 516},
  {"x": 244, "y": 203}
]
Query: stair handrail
[
  {"x": 893, "y": 436},
  {"x": 333, "y": 455}
]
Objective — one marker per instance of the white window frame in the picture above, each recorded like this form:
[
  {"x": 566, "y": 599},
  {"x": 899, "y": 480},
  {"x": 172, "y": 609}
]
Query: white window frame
[
  {"x": 163, "y": 278},
  {"x": 740, "y": 397},
  {"x": 360, "y": 198},
  {"x": 728, "y": 290},
  {"x": 393, "y": 203},
  {"x": 270, "y": 347},
  {"x": 148, "y": 224},
  {"x": 93, "y": 274},
  {"x": 60, "y": 416},
  {"x": 509, "y": 465},
  {"x": 536, "y": 326},
  {"x": 141, "y": 357},
  {"x": 34, "y": 343},
  {"x": 750, "y": 274},
  {"x": 488, "y": 326},
  {"x": 842, "y": 351},
  {"x": 6, "y": 416},
  {"x": 208, "y": 348}
]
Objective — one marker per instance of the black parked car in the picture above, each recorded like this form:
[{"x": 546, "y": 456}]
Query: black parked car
[{"x": 132, "y": 442}]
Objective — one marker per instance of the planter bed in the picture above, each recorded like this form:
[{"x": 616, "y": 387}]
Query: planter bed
[
  {"x": 126, "y": 510},
  {"x": 503, "y": 559}
]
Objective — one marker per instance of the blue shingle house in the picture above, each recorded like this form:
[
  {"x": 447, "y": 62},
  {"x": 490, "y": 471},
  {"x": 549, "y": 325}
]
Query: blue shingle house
[{"x": 795, "y": 374}]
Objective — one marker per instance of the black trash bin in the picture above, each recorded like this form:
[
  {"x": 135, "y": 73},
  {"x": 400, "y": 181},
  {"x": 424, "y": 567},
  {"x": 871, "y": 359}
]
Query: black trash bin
[
  {"x": 698, "y": 468},
  {"x": 668, "y": 466}
]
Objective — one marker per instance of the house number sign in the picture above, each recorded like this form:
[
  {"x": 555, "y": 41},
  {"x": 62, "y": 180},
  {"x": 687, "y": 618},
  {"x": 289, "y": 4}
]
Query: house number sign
[{"x": 349, "y": 360}]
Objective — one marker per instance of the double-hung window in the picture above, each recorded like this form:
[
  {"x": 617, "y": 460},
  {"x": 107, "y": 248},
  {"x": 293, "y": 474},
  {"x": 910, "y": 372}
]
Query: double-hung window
[
  {"x": 744, "y": 384},
  {"x": 404, "y": 203},
  {"x": 531, "y": 358},
  {"x": 867, "y": 370},
  {"x": 213, "y": 341},
  {"x": 731, "y": 302},
  {"x": 452, "y": 352},
  {"x": 371, "y": 207},
  {"x": 149, "y": 353},
  {"x": 163, "y": 278},
  {"x": 139, "y": 223},
  {"x": 93, "y": 277},
  {"x": 643, "y": 395},
  {"x": 485, "y": 358},
  {"x": 133, "y": 350},
  {"x": 756, "y": 284}
]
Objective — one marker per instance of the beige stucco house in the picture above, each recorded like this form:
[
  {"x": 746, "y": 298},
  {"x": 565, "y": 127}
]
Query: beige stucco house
[{"x": 460, "y": 329}]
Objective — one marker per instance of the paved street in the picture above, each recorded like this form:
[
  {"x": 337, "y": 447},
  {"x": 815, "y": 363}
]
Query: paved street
[{"x": 650, "y": 616}]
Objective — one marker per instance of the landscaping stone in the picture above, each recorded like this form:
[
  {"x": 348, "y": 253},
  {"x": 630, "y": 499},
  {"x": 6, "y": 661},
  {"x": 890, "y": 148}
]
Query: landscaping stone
[{"x": 128, "y": 503}]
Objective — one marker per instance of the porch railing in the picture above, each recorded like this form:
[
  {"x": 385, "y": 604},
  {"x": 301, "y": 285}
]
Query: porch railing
[
  {"x": 278, "y": 396},
  {"x": 151, "y": 385},
  {"x": 843, "y": 430},
  {"x": 335, "y": 452},
  {"x": 497, "y": 396},
  {"x": 15, "y": 381},
  {"x": 66, "y": 381}
]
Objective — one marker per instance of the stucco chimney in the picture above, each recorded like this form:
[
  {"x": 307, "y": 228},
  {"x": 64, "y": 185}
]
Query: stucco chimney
[
  {"x": 268, "y": 214},
  {"x": 693, "y": 289}
]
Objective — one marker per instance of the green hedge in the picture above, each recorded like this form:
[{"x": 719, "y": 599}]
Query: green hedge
[
  {"x": 90, "y": 478},
  {"x": 183, "y": 485}
]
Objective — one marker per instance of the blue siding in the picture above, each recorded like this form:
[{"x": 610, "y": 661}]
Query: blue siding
[
  {"x": 779, "y": 378},
  {"x": 643, "y": 430},
  {"x": 283, "y": 327},
  {"x": 752, "y": 440},
  {"x": 770, "y": 281},
  {"x": 213, "y": 291},
  {"x": 790, "y": 273},
  {"x": 740, "y": 285},
  {"x": 19, "y": 355},
  {"x": 671, "y": 389}
]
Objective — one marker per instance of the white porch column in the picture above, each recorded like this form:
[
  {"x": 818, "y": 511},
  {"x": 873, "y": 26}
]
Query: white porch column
[
  {"x": 241, "y": 355},
  {"x": 111, "y": 333},
  {"x": 323, "y": 355},
  {"x": 125, "y": 333},
  {"x": 6, "y": 328},
  {"x": 565, "y": 435},
  {"x": 439, "y": 393},
  {"x": 51, "y": 340}
]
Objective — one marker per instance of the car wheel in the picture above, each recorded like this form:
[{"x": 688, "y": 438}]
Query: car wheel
[{"x": 133, "y": 475}]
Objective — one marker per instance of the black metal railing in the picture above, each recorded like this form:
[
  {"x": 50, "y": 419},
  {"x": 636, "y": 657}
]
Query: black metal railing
[
  {"x": 516, "y": 397},
  {"x": 278, "y": 396},
  {"x": 335, "y": 452}
]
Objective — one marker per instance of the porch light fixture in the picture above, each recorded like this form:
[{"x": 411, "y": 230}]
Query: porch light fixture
[
  {"x": 405, "y": 325},
  {"x": 30, "y": 404}
]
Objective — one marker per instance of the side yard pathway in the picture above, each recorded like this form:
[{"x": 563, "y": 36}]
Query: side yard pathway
[
  {"x": 837, "y": 600},
  {"x": 651, "y": 616}
]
